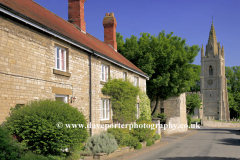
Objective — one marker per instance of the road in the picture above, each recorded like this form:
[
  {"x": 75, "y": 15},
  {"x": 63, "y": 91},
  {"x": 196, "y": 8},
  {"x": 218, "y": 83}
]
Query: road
[{"x": 207, "y": 144}]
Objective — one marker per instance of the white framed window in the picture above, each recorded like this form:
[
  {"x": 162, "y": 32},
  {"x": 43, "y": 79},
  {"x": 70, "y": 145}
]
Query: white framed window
[
  {"x": 135, "y": 81},
  {"x": 60, "y": 58},
  {"x": 124, "y": 76},
  {"x": 63, "y": 98},
  {"x": 105, "y": 72},
  {"x": 105, "y": 109},
  {"x": 137, "y": 111}
]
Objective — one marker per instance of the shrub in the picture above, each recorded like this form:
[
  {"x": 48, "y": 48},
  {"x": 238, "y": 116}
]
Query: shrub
[
  {"x": 162, "y": 117},
  {"x": 189, "y": 119},
  {"x": 124, "y": 98},
  {"x": 31, "y": 156},
  {"x": 153, "y": 141},
  {"x": 139, "y": 146},
  {"x": 143, "y": 133},
  {"x": 9, "y": 148},
  {"x": 149, "y": 142},
  {"x": 36, "y": 122},
  {"x": 129, "y": 140},
  {"x": 145, "y": 109},
  {"x": 101, "y": 143},
  {"x": 157, "y": 136},
  {"x": 118, "y": 133}
]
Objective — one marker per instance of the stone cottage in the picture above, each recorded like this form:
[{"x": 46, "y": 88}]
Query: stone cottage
[{"x": 44, "y": 56}]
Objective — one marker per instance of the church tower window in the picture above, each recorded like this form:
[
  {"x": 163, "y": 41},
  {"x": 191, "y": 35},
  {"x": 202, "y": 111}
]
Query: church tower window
[{"x": 210, "y": 71}]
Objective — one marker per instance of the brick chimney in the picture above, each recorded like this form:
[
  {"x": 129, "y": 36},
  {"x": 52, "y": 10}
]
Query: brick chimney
[
  {"x": 76, "y": 13},
  {"x": 110, "y": 24}
]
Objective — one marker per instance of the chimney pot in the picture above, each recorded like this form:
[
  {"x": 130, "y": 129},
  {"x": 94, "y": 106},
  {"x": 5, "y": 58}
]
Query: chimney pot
[
  {"x": 107, "y": 14},
  {"x": 112, "y": 14}
]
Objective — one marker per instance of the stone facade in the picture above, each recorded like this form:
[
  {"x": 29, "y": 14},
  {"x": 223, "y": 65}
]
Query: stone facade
[
  {"x": 213, "y": 80},
  {"x": 27, "y": 71},
  {"x": 175, "y": 110}
]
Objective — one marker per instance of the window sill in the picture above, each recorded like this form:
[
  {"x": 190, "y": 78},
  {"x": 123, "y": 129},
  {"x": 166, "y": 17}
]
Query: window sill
[
  {"x": 102, "y": 82},
  {"x": 106, "y": 121},
  {"x": 62, "y": 73}
]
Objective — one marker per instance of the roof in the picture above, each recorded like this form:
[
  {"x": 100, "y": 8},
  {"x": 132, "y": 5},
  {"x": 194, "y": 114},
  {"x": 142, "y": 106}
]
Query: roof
[{"x": 33, "y": 12}]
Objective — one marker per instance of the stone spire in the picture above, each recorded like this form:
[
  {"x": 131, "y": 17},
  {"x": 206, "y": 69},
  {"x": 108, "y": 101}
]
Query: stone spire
[
  {"x": 212, "y": 47},
  {"x": 202, "y": 51},
  {"x": 223, "y": 52}
]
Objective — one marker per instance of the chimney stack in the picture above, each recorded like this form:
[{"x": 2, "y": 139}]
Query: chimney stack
[
  {"x": 76, "y": 13},
  {"x": 110, "y": 24}
]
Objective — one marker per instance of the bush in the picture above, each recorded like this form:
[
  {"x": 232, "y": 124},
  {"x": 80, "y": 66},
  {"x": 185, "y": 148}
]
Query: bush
[
  {"x": 124, "y": 98},
  {"x": 36, "y": 122},
  {"x": 189, "y": 119},
  {"x": 157, "y": 136},
  {"x": 145, "y": 109},
  {"x": 118, "y": 133},
  {"x": 153, "y": 140},
  {"x": 143, "y": 133},
  {"x": 9, "y": 148},
  {"x": 139, "y": 146},
  {"x": 162, "y": 117},
  {"x": 129, "y": 140},
  {"x": 101, "y": 143},
  {"x": 31, "y": 156},
  {"x": 149, "y": 142}
]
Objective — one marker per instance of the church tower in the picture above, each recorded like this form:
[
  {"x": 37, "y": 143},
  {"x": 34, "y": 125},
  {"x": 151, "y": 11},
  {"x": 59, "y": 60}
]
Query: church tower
[{"x": 213, "y": 80}]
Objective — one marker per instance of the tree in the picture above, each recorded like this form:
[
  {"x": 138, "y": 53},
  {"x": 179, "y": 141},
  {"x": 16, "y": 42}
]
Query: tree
[
  {"x": 197, "y": 71},
  {"x": 233, "y": 87},
  {"x": 192, "y": 101},
  {"x": 165, "y": 58}
]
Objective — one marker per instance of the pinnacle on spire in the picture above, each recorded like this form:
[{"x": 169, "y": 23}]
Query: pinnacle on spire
[
  {"x": 212, "y": 34},
  {"x": 202, "y": 51},
  {"x": 223, "y": 53}
]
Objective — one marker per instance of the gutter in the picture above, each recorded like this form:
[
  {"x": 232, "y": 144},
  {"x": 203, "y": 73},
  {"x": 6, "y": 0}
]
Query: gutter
[{"x": 54, "y": 33}]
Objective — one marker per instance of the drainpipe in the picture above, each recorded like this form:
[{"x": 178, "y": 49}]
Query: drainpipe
[{"x": 90, "y": 92}]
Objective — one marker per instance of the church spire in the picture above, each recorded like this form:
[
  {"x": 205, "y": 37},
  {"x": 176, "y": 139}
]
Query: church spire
[
  {"x": 212, "y": 47},
  {"x": 202, "y": 51}
]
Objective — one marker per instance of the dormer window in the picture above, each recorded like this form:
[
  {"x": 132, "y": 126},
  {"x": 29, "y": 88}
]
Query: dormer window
[{"x": 210, "y": 71}]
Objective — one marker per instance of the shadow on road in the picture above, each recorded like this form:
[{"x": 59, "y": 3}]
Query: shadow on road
[
  {"x": 226, "y": 141},
  {"x": 198, "y": 158}
]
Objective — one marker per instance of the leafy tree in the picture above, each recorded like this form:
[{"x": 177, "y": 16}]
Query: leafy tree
[
  {"x": 124, "y": 98},
  {"x": 233, "y": 87},
  {"x": 197, "y": 72},
  {"x": 192, "y": 101},
  {"x": 165, "y": 58}
]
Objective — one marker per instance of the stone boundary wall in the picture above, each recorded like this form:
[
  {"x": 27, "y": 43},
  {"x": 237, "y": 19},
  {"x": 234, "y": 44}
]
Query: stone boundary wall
[
  {"x": 209, "y": 123},
  {"x": 174, "y": 121}
]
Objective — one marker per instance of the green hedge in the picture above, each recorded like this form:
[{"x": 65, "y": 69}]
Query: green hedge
[{"x": 36, "y": 122}]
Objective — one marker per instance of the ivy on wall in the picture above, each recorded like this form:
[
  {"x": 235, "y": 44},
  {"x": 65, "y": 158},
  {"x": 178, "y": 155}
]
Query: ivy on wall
[
  {"x": 145, "y": 109},
  {"x": 124, "y": 98}
]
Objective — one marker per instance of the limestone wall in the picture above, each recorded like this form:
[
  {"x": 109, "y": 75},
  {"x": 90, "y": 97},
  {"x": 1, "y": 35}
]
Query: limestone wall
[
  {"x": 211, "y": 123},
  {"x": 27, "y": 62}
]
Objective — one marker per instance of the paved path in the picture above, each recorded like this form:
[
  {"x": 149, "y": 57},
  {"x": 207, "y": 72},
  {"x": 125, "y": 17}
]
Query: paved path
[{"x": 207, "y": 144}]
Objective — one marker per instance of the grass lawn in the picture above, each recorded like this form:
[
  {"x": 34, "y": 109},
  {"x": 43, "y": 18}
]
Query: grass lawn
[
  {"x": 196, "y": 120},
  {"x": 227, "y": 122}
]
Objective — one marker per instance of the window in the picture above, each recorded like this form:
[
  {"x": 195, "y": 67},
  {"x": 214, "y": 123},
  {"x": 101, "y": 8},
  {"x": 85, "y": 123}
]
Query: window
[
  {"x": 60, "y": 58},
  {"x": 210, "y": 70},
  {"x": 162, "y": 110},
  {"x": 135, "y": 81},
  {"x": 63, "y": 98},
  {"x": 137, "y": 111},
  {"x": 105, "y": 69},
  {"x": 105, "y": 109},
  {"x": 124, "y": 76}
]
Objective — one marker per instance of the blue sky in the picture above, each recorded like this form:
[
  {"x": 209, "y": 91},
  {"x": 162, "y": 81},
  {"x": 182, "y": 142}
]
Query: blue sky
[{"x": 189, "y": 19}]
